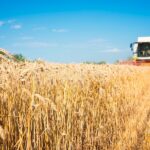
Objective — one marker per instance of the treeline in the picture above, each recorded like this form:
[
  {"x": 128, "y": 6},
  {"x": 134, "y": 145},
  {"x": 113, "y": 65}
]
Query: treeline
[{"x": 93, "y": 62}]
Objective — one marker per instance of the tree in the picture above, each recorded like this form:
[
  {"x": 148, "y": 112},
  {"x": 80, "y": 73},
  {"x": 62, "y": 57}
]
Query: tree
[
  {"x": 19, "y": 57},
  {"x": 98, "y": 63},
  {"x": 102, "y": 62},
  {"x": 2, "y": 52}
]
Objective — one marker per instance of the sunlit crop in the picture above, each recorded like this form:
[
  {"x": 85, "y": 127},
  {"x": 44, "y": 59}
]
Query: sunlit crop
[{"x": 72, "y": 107}]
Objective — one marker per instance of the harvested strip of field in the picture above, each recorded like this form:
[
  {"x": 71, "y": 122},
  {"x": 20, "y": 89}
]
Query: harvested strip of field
[{"x": 58, "y": 106}]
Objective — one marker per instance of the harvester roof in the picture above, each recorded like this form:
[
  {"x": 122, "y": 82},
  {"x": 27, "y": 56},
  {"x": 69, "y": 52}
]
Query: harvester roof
[{"x": 143, "y": 39}]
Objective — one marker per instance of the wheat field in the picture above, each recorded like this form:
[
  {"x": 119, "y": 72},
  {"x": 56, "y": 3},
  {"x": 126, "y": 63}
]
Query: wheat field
[{"x": 46, "y": 106}]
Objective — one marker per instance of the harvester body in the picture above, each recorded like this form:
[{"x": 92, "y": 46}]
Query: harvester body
[{"x": 141, "y": 51}]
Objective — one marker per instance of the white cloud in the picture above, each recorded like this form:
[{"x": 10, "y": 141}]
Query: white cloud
[
  {"x": 113, "y": 50},
  {"x": 16, "y": 26},
  {"x": 7, "y": 22},
  {"x": 2, "y": 23},
  {"x": 35, "y": 44},
  {"x": 11, "y": 21},
  {"x": 59, "y": 30}
]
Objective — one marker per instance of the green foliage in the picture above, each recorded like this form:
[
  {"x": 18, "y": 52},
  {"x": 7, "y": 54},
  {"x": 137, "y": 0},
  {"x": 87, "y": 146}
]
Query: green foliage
[
  {"x": 98, "y": 63},
  {"x": 130, "y": 58},
  {"x": 19, "y": 57},
  {"x": 117, "y": 61},
  {"x": 101, "y": 62},
  {"x": 2, "y": 53}
]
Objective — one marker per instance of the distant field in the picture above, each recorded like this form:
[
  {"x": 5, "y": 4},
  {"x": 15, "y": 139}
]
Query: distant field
[{"x": 59, "y": 107}]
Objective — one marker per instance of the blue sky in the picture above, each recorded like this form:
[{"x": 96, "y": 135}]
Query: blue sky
[{"x": 73, "y": 31}]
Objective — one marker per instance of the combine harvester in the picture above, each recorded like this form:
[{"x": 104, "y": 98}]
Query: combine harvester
[{"x": 141, "y": 52}]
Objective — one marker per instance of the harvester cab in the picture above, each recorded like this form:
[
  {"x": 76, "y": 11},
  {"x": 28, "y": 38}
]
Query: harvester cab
[{"x": 141, "y": 51}]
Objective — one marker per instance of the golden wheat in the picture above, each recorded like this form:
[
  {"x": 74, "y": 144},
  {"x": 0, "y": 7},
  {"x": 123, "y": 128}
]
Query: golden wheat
[{"x": 77, "y": 106}]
